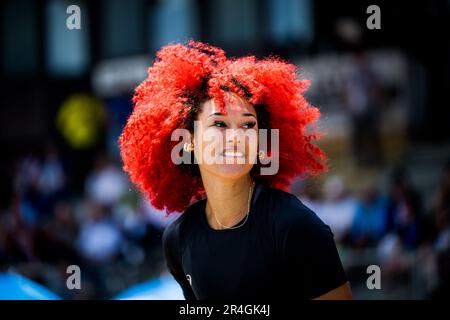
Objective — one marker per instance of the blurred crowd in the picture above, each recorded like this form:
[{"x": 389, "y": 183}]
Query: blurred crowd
[
  {"x": 391, "y": 226},
  {"x": 108, "y": 230}
]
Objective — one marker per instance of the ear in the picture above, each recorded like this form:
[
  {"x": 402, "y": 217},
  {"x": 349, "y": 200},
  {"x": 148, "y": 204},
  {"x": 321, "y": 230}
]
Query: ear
[{"x": 194, "y": 144}]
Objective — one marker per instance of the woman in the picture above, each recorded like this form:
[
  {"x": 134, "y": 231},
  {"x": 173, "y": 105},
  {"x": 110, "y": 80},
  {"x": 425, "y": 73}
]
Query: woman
[{"x": 241, "y": 235}]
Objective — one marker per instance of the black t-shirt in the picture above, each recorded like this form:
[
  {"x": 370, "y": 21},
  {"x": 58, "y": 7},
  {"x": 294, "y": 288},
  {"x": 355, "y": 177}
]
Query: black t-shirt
[{"x": 282, "y": 250}]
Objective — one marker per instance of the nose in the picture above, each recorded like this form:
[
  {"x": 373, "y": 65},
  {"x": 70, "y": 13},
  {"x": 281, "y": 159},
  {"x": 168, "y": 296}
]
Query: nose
[{"x": 233, "y": 136}]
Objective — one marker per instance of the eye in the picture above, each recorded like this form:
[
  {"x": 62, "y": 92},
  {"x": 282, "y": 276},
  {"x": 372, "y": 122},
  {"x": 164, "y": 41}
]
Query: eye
[
  {"x": 249, "y": 125},
  {"x": 219, "y": 124}
]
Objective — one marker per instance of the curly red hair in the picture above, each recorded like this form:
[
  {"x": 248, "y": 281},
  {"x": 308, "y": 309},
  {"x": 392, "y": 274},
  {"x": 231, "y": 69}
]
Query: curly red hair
[{"x": 163, "y": 102}]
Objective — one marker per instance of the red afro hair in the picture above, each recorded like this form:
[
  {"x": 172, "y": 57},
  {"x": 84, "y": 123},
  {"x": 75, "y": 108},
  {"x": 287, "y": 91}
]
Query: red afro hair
[{"x": 163, "y": 102}]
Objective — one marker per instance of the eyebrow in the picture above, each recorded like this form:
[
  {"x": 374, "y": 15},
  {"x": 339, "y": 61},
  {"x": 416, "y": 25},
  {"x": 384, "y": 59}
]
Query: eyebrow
[{"x": 221, "y": 114}]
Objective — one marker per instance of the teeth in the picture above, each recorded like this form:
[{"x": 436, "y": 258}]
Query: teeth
[{"x": 232, "y": 154}]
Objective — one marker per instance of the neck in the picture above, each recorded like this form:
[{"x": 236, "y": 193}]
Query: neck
[{"x": 227, "y": 200}]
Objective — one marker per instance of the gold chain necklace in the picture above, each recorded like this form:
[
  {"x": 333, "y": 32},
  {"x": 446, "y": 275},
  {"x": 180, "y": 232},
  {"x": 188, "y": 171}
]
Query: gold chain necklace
[{"x": 250, "y": 191}]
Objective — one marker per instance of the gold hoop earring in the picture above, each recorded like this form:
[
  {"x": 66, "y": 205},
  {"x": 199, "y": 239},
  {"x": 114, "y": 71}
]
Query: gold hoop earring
[{"x": 188, "y": 147}]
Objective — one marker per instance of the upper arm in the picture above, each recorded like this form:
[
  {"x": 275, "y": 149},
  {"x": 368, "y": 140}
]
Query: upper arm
[
  {"x": 342, "y": 292},
  {"x": 172, "y": 253}
]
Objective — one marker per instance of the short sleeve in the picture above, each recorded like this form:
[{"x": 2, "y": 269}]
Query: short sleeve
[
  {"x": 311, "y": 256},
  {"x": 172, "y": 252}
]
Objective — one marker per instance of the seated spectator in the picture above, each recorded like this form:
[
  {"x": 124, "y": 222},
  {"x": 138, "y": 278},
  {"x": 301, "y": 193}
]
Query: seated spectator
[
  {"x": 99, "y": 239},
  {"x": 338, "y": 208},
  {"x": 404, "y": 210},
  {"x": 370, "y": 221}
]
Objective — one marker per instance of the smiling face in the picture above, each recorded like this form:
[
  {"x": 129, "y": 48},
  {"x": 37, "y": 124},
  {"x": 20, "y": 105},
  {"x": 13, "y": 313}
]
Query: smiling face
[{"x": 227, "y": 142}]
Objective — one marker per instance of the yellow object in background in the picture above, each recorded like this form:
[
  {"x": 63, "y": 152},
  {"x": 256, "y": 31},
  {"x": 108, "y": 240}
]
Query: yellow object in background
[{"x": 80, "y": 120}]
